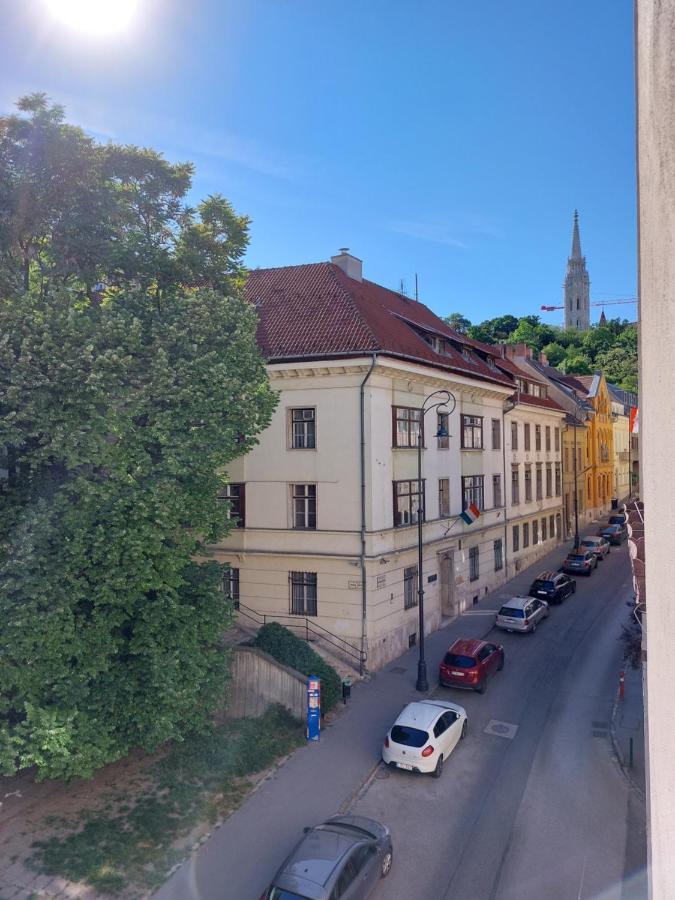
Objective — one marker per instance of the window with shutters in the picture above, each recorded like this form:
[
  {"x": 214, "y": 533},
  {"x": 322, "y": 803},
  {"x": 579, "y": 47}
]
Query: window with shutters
[
  {"x": 472, "y": 491},
  {"x": 515, "y": 485},
  {"x": 514, "y": 435},
  {"x": 473, "y": 564},
  {"x": 515, "y": 540},
  {"x": 406, "y": 426},
  {"x": 303, "y": 588},
  {"x": 408, "y": 502},
  {"x": 443, "y": 497},
  {"x": 303, "y": 499},
  {"x": 302, "y": 428},
  {"x": 410, "y": 587},
  {"x": 235, "y": 495},
  {"x": 528, "y": 483},
  {"x": 496, "y": 434},
  {"x": 499, "y": 555},
  {"x": 526, "y": 436},
  {"x": 472, "y": 432}
]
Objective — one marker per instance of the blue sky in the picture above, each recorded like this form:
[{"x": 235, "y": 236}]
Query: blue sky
[{"x": 446, "y": 138}]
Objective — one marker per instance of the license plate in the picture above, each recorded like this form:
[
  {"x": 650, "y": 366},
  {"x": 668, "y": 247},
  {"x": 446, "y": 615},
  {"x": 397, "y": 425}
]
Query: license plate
[
  {"x": 542, "y": 593},
  {"x": 458, "y": 674},
  {"x": 404, "y": 766}
]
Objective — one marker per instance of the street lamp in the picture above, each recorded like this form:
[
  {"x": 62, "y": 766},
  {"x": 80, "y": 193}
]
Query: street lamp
[{"x": 447, "y": 398}]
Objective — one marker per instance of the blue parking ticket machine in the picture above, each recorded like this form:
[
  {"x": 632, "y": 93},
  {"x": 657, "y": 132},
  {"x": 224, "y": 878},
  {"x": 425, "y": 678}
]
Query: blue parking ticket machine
[{"x": 313, "y": 708}]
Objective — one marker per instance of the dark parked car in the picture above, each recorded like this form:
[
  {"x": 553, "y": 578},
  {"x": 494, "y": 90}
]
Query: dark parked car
[
  {"x": 553, "y": 586},
  {"x": 344, "y": 857},
  {"x": 617, "y": 519},
  {"x": 613, "y": 533},
  {"x": 470, "y": 663},
  {"x": 580, "y": 562}
]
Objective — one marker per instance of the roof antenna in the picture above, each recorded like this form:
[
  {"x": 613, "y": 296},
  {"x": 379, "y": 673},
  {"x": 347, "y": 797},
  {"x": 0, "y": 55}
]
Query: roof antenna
[
  {"x": 417, "y": 293},
  {"x": 403, "y": 291}
]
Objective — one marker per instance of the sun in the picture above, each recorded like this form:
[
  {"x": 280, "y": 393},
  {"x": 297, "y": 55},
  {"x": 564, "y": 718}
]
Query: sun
[{"x": 95, "y": 17}]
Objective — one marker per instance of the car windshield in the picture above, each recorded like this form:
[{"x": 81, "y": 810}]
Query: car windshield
[
  {"x": 512, "y": 612},
  {"x": 411, "y": 737},
  {"x": 461, "y": 662},
  {"x": 543, "y": 585},
  {"x": 590, "y": 543}
]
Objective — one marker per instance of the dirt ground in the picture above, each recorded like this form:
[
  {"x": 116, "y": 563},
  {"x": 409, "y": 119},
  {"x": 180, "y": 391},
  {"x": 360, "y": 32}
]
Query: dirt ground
[{"x": 27, "y": 808}]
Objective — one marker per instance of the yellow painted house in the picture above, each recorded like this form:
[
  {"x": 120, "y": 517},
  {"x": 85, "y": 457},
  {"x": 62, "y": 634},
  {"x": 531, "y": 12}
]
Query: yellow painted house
[{"x": 599, "y": 477}]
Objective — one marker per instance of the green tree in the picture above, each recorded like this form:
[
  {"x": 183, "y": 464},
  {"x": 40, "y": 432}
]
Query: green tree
[
  {"x": 119, "y": 415},
  {"x": 555, "y": 353},
  {"x": 458, "y": 322},
  {"x": 576, "y": 364},
  {"x": 74, "y": 213}
]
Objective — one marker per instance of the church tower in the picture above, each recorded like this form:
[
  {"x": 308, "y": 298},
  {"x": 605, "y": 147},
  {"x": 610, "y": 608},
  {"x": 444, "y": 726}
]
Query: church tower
[{"x": 577, "y": 285}]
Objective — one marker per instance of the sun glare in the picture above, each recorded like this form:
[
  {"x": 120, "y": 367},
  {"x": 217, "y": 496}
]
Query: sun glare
[{"x": 94, "y": 16}]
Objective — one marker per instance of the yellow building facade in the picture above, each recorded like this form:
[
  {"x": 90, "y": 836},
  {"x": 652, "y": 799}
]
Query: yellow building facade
[
  {"x": 599, "y": 459},
  {"x": 574, "y": 440}
]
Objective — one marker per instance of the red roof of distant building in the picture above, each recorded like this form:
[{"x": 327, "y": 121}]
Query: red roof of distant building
[
  {"x": 317, "y": 311},
  {"x": 528, "y": 375}
]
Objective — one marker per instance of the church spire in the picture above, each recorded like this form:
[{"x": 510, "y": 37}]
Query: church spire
[
  {"x": 577, "y": 285},
  {"x": 576, "y": 242}
]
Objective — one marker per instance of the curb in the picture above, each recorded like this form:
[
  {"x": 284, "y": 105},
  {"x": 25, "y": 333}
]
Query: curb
[{"x": 626, "y": 771}]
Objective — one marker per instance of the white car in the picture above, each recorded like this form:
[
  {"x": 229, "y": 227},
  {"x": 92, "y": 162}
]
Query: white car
[
  {"x": 424, "y": 735},
  {"x": 522, "y": 614}
]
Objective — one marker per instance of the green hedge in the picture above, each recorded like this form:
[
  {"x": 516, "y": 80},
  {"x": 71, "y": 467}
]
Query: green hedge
[{"x": 292, "y": 651}]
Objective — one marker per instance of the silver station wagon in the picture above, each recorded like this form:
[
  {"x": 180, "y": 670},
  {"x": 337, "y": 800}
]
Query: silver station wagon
[{"x": 522, "y": 614}]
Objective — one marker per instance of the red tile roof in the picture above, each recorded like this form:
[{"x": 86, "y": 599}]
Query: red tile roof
[
  {"x": 317, "y": 311},
  {"x": 518, "y": 372}
]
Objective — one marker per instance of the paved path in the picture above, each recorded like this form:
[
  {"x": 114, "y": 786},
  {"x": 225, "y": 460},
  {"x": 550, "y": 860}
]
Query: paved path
[{"x": 509, "y": 816}]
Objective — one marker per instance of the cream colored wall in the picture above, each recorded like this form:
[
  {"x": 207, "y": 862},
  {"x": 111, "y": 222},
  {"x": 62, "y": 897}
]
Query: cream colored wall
[
  {"x": 621, "y": 443},
  {"x": 534, "y": 509},
  {"x": 655, "y": 67}
]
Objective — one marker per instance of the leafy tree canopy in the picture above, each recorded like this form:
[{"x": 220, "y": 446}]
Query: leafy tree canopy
[
  {"x": 74, "y": 213},
  {"x": 117, "y": 415},
  {"x": 611, "y": 347}
]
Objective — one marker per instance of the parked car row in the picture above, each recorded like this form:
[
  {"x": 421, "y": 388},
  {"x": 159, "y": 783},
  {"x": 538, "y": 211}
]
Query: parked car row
[{"x": 347, "y": 855}]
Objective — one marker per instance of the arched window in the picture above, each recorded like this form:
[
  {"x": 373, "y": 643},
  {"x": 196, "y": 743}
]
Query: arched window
[
  {"x": 570, "y": 304},
  {"x": 577, "y": 303}
]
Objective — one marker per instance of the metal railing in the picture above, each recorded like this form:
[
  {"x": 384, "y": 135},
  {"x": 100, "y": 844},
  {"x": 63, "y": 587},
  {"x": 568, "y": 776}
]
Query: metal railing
[{"x": 308, "y": 630}]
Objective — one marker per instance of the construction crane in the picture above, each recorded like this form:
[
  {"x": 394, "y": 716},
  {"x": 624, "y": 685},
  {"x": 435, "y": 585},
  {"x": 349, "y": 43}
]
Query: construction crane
[{"x": 596, "y": 303}]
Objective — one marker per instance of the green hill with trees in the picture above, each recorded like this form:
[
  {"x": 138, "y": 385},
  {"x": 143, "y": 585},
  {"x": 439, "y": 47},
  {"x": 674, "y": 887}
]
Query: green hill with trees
[{"x": 611, "y": 347}]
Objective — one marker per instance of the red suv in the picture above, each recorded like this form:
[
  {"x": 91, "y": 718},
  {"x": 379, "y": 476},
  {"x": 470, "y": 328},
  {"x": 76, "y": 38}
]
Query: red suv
[{"x": 469, "y": 663}]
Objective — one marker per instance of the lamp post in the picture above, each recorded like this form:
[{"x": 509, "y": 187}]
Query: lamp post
[
  {"x": 447, "y": 398},
  {"x": 576, "y": 500}
]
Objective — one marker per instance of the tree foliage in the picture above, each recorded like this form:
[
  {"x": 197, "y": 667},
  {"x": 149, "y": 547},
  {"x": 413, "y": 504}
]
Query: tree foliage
[
  {"x": 119, "y": 410},
  {"x": 611, "y": 347}
]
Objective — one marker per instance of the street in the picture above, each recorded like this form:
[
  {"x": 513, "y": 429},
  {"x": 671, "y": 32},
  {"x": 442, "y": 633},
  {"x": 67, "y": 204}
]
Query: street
[
  {"x": 538, "y": 807},
  {"x": 543, "y": 813}
]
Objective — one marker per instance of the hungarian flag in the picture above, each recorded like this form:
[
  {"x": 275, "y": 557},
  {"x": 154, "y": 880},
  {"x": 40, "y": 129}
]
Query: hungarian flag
[
  {"x": 634, "y": 419},
  {"x": 470, "y": 514}
]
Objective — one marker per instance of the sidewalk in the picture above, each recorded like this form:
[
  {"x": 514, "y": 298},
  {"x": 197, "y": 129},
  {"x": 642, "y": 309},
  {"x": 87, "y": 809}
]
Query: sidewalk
[
  {"x": 627, "y": 730},
  {"x": 248, "y": 846}
]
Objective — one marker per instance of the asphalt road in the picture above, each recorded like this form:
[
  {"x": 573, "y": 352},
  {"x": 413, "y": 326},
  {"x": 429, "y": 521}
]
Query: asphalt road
[{"x": 544, "y": 812}]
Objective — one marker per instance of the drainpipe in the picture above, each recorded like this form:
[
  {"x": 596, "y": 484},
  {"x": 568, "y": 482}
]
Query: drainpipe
[{"x": 362, "y": 410}]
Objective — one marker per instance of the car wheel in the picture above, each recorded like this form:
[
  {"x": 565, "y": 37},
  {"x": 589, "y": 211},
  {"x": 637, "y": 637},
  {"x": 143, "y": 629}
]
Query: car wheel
[
  {"x": 501, "y": 664},
  {"x": 387, "y": 860},
  {"x": 438, "y": 771},
  {"x": 534, "y": 628},
  {"x": 574, "y": 587},
  {"x": 482, "y": 687},
  {"x": 465, "y": 728}
]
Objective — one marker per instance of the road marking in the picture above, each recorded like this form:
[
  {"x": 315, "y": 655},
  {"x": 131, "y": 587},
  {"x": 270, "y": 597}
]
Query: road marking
[{"x": 501, "y": 729}]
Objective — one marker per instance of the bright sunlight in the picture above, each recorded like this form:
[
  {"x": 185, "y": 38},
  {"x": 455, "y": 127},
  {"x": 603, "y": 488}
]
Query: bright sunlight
[{"x": 95, "y": 17}]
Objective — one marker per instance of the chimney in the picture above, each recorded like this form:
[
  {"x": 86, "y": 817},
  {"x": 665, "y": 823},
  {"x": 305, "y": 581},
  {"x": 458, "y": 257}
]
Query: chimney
[
  {"x": 517, "y": 351},
  {"x": 543, "y": 358},
  {"x": 349, "y": 264}
]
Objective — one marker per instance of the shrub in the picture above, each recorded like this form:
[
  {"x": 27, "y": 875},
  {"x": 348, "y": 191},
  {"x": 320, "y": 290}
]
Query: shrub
[{"x": 292, "y": 651}]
